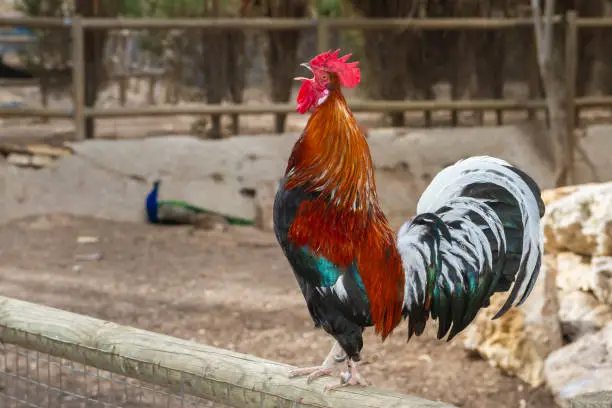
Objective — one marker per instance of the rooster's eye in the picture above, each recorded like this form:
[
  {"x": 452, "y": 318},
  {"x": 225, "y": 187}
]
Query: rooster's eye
[{"x": 324, "y": 77}]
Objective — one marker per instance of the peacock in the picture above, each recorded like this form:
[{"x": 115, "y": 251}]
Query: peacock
[{"x": 174, "y": 212}]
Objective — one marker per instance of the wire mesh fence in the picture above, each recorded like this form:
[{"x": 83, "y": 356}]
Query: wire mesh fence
[
  {"x": 30, "y": 379},
  {"x": 52, "y": 358}
]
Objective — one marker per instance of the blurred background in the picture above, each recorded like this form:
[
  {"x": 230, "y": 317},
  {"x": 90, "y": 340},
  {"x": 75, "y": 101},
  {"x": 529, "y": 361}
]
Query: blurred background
[
  {"x": 441, "y": 60},
  {"x": 99, "y": 99}
]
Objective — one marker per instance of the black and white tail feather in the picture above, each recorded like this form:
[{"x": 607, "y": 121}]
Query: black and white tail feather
[{"x": 477, "y": 231}]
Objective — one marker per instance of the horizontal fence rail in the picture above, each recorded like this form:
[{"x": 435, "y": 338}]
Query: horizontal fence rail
[
  {"x": 77, "y": 24},
  {"x": 268, "y": 108},
  {"x": 300, "y": 23},
  {"x": 26, "y": 112},
  {"x": 34, "y": 22},
  {"x": 181, "y": 366},
  {"x": 274, "y": 108},
  {"x": 80, "y": 113}
]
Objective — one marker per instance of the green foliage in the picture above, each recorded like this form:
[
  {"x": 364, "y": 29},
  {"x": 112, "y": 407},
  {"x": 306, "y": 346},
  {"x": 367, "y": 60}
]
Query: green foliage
[
  {"x": 30, "y": 7},
  {"x": 350, "y": 40},
  {"x": 41, "y": 8},
  {"x": 54, "y": 47},
  {"x": 175, "y": 8},
  {"x": 329, "y": 8},
  {"x": 132, "y": 8}
]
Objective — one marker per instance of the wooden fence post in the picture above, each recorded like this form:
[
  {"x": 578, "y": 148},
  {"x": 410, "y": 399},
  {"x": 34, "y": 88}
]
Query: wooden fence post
[
  {"x": 572, "y": 113},
  {"x": 78, "y": 77}
]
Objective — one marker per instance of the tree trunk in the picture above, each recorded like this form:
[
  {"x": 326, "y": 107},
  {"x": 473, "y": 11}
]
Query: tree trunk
[
  {"x": 213, "y": 44},
  {"x": 551, "y": 62},
  {"x": 236, "y": 72},
  {"x": 390, "y": 54},
  {"x": 94, "y": 42}
]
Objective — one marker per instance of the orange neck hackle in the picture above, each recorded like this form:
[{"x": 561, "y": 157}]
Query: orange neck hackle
[
  {"x": 345, "y": 223},
  {"x": 333, "y": 158}
]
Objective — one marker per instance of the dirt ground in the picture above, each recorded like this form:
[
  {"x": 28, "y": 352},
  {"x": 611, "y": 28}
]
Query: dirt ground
[{"x": 230, "y": 289}]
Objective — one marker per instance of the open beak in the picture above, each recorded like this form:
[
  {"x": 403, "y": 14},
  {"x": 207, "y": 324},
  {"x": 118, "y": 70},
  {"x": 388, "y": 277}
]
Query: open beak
[{"x": 305, "y": 65}]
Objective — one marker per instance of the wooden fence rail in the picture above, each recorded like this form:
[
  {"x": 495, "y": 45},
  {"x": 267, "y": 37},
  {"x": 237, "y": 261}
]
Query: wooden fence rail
[
  {"x": 77, "y": 25},
  {"x": 181, "y": 366},
  {"x": 80, "y": 112}
]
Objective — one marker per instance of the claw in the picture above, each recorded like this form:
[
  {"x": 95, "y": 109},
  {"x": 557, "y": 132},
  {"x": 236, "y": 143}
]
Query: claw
[
  {"x": 350, "y": 377},
  {"x": 336, "y": 355},
  {"x": 312, "y": 372}
]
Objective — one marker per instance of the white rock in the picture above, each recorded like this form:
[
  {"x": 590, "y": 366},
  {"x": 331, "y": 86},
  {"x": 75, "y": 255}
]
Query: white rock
[
  {"x": 521, "y": 339},
  {"x": 573, "y": 272},
  {"x": 554, "y": 194},
  {"x": 581, "y": 313},
  {"x": 581, "y": 222},
  {"x": 581, "y": 367},
  {"x": 601, "y": 278}
]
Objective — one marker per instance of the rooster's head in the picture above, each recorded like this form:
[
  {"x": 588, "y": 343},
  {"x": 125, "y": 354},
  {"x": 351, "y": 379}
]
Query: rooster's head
[{"x": 329, "y": 70}]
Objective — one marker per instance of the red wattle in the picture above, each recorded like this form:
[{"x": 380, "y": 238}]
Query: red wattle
[{"x": 306, "y": 96}]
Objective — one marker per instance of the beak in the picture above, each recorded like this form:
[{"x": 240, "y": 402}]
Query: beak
[{"x": 305, "y": 65}]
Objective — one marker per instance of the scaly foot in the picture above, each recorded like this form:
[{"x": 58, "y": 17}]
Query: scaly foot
[
  {"x": 350, "y": 377},
  {"x": 312, "y": 372},
  {"x": 335, "y": 355}
]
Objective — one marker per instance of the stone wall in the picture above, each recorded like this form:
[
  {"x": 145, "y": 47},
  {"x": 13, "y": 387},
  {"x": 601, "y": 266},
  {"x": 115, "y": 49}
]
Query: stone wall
[
  {"x": 110, "y": 179},
  {"x": 562, "y": 336}
]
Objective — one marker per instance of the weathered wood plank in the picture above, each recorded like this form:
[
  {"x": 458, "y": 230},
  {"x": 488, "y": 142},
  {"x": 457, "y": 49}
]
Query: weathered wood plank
[
  {"x": 273, "y": 108},
  {"x": 221, "y": 375}
]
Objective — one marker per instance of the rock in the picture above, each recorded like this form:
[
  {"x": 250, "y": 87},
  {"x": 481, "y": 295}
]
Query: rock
[
  {"x": 599, "y": 399},
  {"x": 521, "y": 339},
  {"x": 581, "y": 222},
  {"x": 581, "y": 367},
  {"x": 581, "y": 313},
  {"x": 18, "y": 159},
  {"x": 32, "y": 155},
  {"x": 601, "y": 278},
  {"x": 265, "y": 192},
  {"x": 573, "y": 272},
  {"x": 554, "y": 194}
]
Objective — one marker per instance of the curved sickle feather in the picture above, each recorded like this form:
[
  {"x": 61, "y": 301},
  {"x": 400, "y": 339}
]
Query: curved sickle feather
[{"x": 477, "y": 232}]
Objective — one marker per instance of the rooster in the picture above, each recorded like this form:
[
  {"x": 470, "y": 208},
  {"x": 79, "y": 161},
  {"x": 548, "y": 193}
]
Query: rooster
[{"x": 476, "y": 232}]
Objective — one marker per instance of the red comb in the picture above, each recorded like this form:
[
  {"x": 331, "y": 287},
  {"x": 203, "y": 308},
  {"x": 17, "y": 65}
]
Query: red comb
[{"x": 348, "y": 73}]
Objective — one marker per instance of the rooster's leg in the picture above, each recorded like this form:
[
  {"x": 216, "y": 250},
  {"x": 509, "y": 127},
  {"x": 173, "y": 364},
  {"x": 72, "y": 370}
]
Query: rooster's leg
[
  {"x": 350, "y": 377},
  {"x": 335, "y": 355}
]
